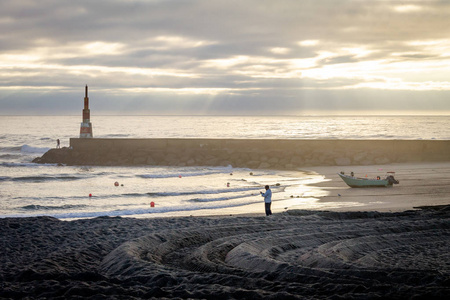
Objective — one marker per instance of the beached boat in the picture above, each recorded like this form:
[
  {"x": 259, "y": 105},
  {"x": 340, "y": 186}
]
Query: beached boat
[{"x": 357, "y": 182}]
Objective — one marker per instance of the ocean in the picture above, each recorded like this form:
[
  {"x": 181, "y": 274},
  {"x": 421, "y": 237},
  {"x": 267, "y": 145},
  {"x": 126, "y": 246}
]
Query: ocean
[{"x": 73, "y": 192}]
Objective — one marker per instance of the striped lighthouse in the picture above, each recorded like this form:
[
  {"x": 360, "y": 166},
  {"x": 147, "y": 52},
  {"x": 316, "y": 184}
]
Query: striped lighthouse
[{"x": 86, "y": 125}]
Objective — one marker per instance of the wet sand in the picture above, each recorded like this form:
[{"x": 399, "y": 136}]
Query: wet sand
[
  {"x": 421, "y": 184},
  {"x": 295, "y": 254}
]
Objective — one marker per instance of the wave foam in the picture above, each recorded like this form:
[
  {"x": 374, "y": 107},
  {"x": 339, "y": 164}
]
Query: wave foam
[
  {"x": 30, "y": 149},
  {"x": 50, "y": 207}
]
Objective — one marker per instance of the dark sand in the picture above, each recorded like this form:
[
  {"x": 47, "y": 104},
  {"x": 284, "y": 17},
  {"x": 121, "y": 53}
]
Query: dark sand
[{"x": 291, "y": 255}]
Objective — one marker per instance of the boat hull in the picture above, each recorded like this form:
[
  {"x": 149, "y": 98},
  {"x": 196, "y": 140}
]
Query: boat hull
[{"x": 356, "y": 182}]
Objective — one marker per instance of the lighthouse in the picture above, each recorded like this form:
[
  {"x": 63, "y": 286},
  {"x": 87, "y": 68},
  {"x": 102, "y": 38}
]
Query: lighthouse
[{"x": 86, "y": 125}]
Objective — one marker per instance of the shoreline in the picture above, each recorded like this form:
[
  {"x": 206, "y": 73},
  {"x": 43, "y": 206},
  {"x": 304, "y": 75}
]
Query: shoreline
[
  {"x": 421, "y": 184},
  {"x": 427, "y": 188}
]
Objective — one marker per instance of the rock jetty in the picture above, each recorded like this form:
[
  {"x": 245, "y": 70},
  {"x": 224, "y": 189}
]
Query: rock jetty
[{"x": 263, "y": 154}]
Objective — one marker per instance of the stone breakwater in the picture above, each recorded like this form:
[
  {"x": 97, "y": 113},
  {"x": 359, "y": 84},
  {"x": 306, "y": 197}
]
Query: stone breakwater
[{"x": 261, "y": 153}]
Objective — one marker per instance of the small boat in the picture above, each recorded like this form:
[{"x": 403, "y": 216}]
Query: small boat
[{"x": 357, "y": 182}]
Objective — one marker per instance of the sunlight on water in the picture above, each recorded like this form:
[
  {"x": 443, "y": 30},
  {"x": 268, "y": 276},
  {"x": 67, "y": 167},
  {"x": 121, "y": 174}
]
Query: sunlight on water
[{"x": 171, "y": 189}]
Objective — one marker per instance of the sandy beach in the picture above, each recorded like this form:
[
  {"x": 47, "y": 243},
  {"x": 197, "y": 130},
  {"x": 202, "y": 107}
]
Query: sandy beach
[
  {"x": 421, "y": 184},
  {"x": 378, "y": 248}
]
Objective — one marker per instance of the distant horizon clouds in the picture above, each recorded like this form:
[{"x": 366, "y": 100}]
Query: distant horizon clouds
[{"x": 250, "y": 57}]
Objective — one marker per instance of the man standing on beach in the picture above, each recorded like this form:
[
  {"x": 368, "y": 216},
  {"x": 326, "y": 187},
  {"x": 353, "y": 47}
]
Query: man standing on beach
[
  {"x": 58, "y": 144},
  {"x": 267, "y": 200}
]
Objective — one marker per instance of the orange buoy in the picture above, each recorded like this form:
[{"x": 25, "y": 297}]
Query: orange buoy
[
  {"x": 179, "y": 176},
  {"x": 90, "y": 195},
  {"x": 116, "y": 183},
  {"x": 152, "y": 204}
]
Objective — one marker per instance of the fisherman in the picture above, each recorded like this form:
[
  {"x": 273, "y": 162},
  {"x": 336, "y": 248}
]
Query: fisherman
[{"x": 267, "y": 200}]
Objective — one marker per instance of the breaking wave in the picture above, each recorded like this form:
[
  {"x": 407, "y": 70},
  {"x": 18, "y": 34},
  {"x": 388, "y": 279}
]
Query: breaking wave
[
  {"x": 50, "y": 207},
  {"x": 30, "y": 149}
]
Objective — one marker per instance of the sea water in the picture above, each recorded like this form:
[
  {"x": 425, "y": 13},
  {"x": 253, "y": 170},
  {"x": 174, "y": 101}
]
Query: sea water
[{"x": 70, "y": 192}]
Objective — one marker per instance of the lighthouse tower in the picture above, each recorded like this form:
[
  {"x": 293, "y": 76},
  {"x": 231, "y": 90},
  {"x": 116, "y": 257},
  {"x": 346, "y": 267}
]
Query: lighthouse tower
[{"x": 86, "y": 125}]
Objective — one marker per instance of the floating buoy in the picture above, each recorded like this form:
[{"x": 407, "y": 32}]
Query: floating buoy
[
  {"x": 116, "y": 183},
  {"x": 179, "y": 176},
  {"x": 90, "y": 195},
  {"x": 231, "y": 173},
  {"x": 152, "y": 204},
  {"x": 251, "y": 173}
]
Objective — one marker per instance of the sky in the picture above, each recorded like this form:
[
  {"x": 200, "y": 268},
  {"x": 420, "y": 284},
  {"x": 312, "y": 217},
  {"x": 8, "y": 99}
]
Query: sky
[{"x": 227, "y": 57}]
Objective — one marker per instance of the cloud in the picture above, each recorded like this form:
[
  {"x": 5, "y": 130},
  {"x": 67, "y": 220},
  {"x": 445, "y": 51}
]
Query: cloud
[
  {"x": 208, "y": 55},
  {"x": 407, "y": 8}
]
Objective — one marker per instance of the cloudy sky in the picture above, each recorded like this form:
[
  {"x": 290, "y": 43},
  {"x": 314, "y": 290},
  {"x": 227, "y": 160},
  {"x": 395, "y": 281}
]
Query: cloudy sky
[{"x": 225, "y": 56}]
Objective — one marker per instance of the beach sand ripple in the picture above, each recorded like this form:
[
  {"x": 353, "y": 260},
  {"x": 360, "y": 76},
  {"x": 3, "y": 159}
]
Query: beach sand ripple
[{"x": 294, "y": 255}]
